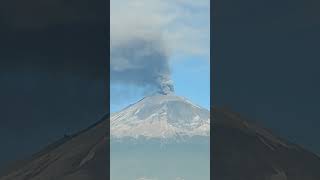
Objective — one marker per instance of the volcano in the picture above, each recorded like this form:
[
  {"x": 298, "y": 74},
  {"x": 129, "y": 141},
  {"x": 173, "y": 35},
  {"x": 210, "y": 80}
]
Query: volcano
[
  {"x": 162, "y": 117},
  {"x": 167, "y": 137},
  {"x": 160, "y": 137}
]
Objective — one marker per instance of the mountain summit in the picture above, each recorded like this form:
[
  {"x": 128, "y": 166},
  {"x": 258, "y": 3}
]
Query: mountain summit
[{"x": 161, "y": 116}]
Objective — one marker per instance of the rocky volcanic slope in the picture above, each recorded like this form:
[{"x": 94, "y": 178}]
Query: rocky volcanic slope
[
  {"x": 161, "y": 116},
  {"x": 242, "y": 151}
]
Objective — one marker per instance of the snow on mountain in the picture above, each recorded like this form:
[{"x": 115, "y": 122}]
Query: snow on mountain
[{"x": 161, "y": 116}]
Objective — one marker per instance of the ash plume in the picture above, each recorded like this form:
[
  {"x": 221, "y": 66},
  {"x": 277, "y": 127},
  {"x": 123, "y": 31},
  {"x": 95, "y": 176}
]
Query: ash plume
[
  {"x": 141, "y": 62},
  {"x": 142, "y": 31}
]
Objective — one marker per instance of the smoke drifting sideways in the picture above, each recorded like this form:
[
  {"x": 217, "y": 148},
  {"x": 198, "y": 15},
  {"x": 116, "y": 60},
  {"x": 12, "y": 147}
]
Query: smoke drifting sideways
[{"x": 142, "y": 62}]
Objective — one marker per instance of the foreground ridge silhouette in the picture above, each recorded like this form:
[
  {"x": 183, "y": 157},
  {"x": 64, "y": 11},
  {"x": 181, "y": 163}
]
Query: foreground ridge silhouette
[
  {"x": 243, "y": 151},
  {"x": 82, "y": 156}
]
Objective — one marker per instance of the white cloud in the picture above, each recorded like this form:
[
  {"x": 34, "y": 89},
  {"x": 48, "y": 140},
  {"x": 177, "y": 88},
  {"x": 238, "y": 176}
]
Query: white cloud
[{"x": 183, "y": 25}]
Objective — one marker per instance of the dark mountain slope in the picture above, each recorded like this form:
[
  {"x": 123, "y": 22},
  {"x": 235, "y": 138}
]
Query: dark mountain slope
[
  {"x": 242, "y": 151},
  {"x": 80, "y": 157}
]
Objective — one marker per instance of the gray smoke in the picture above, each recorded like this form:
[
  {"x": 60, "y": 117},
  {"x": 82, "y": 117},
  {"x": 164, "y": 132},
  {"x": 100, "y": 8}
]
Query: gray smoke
[{"x": 141, "y": 62}]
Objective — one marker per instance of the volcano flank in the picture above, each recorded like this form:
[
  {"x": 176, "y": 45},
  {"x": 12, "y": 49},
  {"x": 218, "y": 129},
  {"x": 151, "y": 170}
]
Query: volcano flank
[{"x": 167, "y": 137}]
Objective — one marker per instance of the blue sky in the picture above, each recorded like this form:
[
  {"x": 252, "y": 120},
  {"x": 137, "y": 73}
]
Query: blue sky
[
  {"x": 192, "y": 80},
  {"x": 184, "y": 28}
]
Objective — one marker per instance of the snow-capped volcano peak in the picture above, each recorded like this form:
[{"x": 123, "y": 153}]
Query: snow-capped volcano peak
[{"x": 161, "y": 116}]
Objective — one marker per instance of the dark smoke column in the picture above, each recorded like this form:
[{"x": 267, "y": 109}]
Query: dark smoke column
[
  {"x": 166, "y": 86},
  {"x": 142, "y": 62}
]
